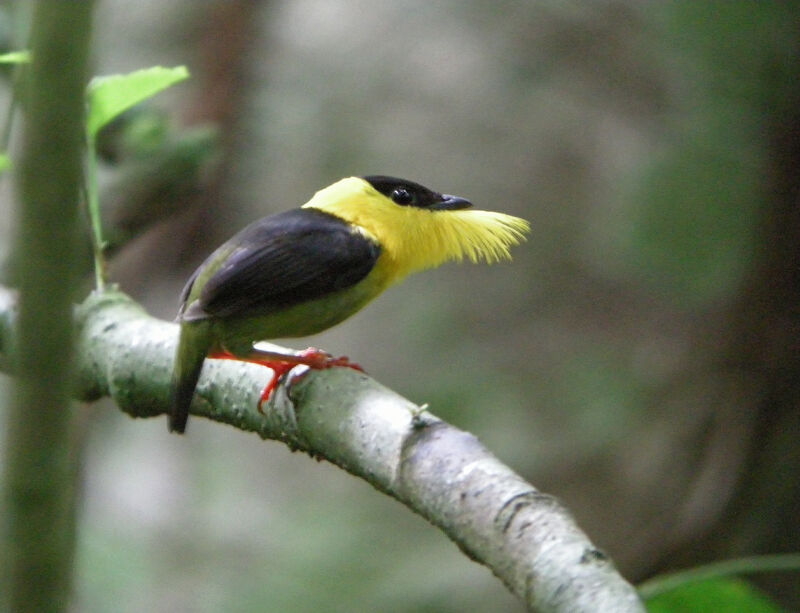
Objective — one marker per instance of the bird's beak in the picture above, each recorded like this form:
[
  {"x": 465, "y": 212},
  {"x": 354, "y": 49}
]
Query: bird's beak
[{"x": 451, "y": 203}]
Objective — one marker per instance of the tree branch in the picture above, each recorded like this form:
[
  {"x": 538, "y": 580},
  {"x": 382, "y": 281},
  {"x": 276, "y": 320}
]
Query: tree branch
[{"x": 524, "y": 536}]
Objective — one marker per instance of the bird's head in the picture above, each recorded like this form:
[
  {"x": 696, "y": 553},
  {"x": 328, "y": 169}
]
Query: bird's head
[{"x": 417, "y": 227}]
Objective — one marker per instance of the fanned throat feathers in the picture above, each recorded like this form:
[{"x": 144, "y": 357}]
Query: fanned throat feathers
[{"x": 413, "y": 238}]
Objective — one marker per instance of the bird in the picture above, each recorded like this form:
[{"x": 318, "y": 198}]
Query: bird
[{"x": 304, "y": 270}]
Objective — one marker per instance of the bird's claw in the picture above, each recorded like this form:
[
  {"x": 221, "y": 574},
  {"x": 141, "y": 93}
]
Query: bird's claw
[
  {"x": 314, "y": 359},
  {"x": 345, "y": 362}
]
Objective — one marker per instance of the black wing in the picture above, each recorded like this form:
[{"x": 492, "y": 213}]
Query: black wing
[{"x": 279, "y": 261}]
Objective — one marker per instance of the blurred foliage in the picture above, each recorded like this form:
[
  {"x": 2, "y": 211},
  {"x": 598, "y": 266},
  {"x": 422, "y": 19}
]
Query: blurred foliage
[
  {"x": 155, "y": 170},
  {"x": 718, "y": 595},
  {"x": 696, "y": 228}
]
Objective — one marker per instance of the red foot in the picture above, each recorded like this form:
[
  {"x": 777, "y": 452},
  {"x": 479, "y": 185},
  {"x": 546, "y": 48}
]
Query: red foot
[
  {"x": 279, "y": 370},
  {"x": 320, "y": 360},
  {"x": 311, "y": 357}
]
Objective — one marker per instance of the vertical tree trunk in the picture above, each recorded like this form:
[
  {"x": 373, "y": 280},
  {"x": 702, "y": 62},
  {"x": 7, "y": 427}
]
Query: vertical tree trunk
[{"x": 38, "y": 496}]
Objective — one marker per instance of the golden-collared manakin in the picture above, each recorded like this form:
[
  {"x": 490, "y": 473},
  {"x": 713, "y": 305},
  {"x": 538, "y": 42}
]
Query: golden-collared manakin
[{"x": 302, "y": 271}]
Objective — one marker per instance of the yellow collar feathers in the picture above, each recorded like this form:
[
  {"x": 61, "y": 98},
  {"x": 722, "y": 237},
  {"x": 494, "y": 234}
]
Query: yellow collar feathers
[{"x": 414, "y": 238}]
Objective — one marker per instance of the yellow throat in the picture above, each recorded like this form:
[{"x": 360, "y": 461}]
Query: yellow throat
[{"x": 414, "y": 239}]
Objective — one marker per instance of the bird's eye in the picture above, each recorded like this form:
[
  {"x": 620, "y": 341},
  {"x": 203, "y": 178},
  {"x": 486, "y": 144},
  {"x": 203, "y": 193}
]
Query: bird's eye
[{"x": 402, "y": 196}]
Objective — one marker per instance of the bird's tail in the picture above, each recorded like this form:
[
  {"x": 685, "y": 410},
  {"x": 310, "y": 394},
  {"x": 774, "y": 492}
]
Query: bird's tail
[{"x": 193, "y": 346}]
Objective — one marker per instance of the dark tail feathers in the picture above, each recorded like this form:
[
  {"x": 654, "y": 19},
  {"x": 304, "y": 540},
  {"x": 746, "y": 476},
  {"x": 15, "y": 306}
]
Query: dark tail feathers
[{"x": 192, "y": 349}]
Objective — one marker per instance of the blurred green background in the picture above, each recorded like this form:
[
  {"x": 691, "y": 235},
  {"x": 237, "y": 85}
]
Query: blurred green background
[{"x": 640, "y": 358}]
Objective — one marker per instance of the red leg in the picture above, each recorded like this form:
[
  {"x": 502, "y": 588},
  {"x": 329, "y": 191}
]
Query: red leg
[
  {"x": 279, "y": 370},
  {"x": 282, "y": 363}
]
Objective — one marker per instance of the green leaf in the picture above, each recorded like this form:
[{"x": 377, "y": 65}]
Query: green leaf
[
  {"x": 728, "y": 595},
  {"x": 768, "y": 563},
  {"x": 5, "y": 162},
  {"x": 114, "y": 94},
  {"x": 15, "y": 57}
]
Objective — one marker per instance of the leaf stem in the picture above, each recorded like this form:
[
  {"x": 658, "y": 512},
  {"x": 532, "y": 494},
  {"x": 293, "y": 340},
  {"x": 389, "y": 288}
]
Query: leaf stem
[{"x": 93, "y": 204}]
